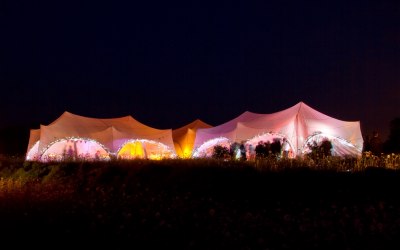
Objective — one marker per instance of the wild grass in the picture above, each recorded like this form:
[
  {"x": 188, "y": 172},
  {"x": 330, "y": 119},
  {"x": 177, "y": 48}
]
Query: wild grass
[{"x": 330, "y": 203}]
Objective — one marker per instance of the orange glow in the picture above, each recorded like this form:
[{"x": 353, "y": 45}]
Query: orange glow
[
  {"x": 145, "y": 149},
  {"x": 187, "y": 151},
  {"x": 133, "y": 150}
]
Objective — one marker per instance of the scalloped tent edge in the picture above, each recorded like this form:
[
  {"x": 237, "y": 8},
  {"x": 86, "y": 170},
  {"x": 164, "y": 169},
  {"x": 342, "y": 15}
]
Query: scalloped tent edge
[
  {"x": 297, "y": 123},
  {"x": 112, "y": 133}
]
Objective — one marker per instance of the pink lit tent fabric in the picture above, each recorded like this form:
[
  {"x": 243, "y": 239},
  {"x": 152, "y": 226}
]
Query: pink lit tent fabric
[
  {"x": 33, "y": 144},
  {"x": 226, "y": 130},
  {"x": 222, "y": 135},
  {"x": 184, "y": 137},
  {"x": 109, "y": 134},
  {"x": 299, "y": 124}
]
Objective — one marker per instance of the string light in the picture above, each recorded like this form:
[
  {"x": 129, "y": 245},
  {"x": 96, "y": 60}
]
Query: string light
[
  {"x": 204, "y": 150},
  {"x": 163, "y": 150},
  {"x": 319, "y": 136},
  {"x": 60, "y": 157}
]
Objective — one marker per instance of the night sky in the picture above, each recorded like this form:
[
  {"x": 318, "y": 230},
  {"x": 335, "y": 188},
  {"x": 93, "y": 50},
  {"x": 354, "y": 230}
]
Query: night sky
[{"x": 167, "y": 64}]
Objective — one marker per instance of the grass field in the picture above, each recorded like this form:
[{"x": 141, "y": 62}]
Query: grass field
[{"x": 200, "y": 204}]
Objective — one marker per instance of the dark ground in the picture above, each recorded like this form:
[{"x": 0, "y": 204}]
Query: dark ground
[{"x": 153, "y": 206}]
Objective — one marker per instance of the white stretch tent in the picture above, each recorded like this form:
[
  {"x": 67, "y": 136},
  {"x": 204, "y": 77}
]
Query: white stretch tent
[
  {"x": 299, "y": 124},
  {"x": 91, "y": 138}
]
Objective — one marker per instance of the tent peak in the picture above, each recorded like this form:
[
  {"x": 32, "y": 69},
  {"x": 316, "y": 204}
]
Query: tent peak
[
  {"x": 90, "y": 117},
  {"x": 198, "y": 121}
]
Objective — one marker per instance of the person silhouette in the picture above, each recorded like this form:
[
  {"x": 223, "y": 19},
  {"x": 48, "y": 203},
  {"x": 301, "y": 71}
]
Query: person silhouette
[
  {"x": 242, "y": 150},
  {"x": 70, "y": 153},
  {"x": 285, "y": 148}
]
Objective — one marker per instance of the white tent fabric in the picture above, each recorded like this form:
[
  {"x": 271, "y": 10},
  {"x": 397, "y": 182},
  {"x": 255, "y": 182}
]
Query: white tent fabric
[
  {"x": 33, "y": 145},
  {"x": 111, "y": 134},
  {"x": 227, "y": 130},
  {"x": 299, "y": 124}
]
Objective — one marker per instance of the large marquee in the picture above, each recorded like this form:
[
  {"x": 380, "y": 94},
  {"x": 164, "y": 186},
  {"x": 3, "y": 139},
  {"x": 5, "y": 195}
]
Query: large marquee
[
  {"x": 300, "y": 125},
  {"x": 74, "y": 137}
]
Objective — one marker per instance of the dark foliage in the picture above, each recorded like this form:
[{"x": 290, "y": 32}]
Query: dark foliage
[
  {"x": 201, "y": 205},
  {"x": 220, "y": 152},
  {"x": 373, "y": 144},
  {"x": 263, "y": 149},
  {"x": 266, "y": 149},
  {"x": 321, "y": 150},
  {"x": 392, "y": 145},
  {"x": 276, "y": 146}
]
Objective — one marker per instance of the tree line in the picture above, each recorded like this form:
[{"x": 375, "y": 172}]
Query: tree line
[{"x": 374, "y": 144}]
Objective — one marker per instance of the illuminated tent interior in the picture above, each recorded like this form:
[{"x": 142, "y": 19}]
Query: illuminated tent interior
[
  {"x": 207, "y": 148},
  {"x": 82, "y": 138},
  {"x": 144, "y": 149},
  {"x": 74, "y": 149},
  {"x": 299, "y": 124},
  {"x": 184, "y": 137},
  {"x": 222, "y": 133},
  {"x": 77, "y": 137}
]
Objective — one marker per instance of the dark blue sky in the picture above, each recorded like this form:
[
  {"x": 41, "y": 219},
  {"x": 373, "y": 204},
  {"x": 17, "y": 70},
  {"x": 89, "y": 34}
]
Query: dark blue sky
[{"x": 167, "y": 64}]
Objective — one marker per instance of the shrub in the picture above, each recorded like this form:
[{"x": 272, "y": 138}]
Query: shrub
[
  {"x": 220, "y": 152},
  {"x": 321, "y": 150},
  {"x": 276, "y": 146},
  {"x": 265, "y": 149}
]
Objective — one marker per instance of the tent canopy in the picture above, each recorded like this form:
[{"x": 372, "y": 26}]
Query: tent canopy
[
  {"x": 110, "y": 133},
  {"x": 298, "y": 124}
]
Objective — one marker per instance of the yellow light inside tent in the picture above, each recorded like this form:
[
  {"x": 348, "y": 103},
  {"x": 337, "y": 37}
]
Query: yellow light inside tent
[
  {"x": 155, "y": 157},
  {"x": 187, "y": 151},
  {"x": 188, "y": 142},
  {"x": 132, "y": 150}
]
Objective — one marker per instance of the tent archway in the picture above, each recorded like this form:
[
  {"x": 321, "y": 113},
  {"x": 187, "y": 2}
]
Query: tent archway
[
  {"x": 266, "y": 137},
  {"x": 340, "y": 147},
  {"x": 75, "y": 149},
  {"x": 207, "y": 148},
  {"x": 33, "y": 153},
  {"x": 144, "y": 149}
]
